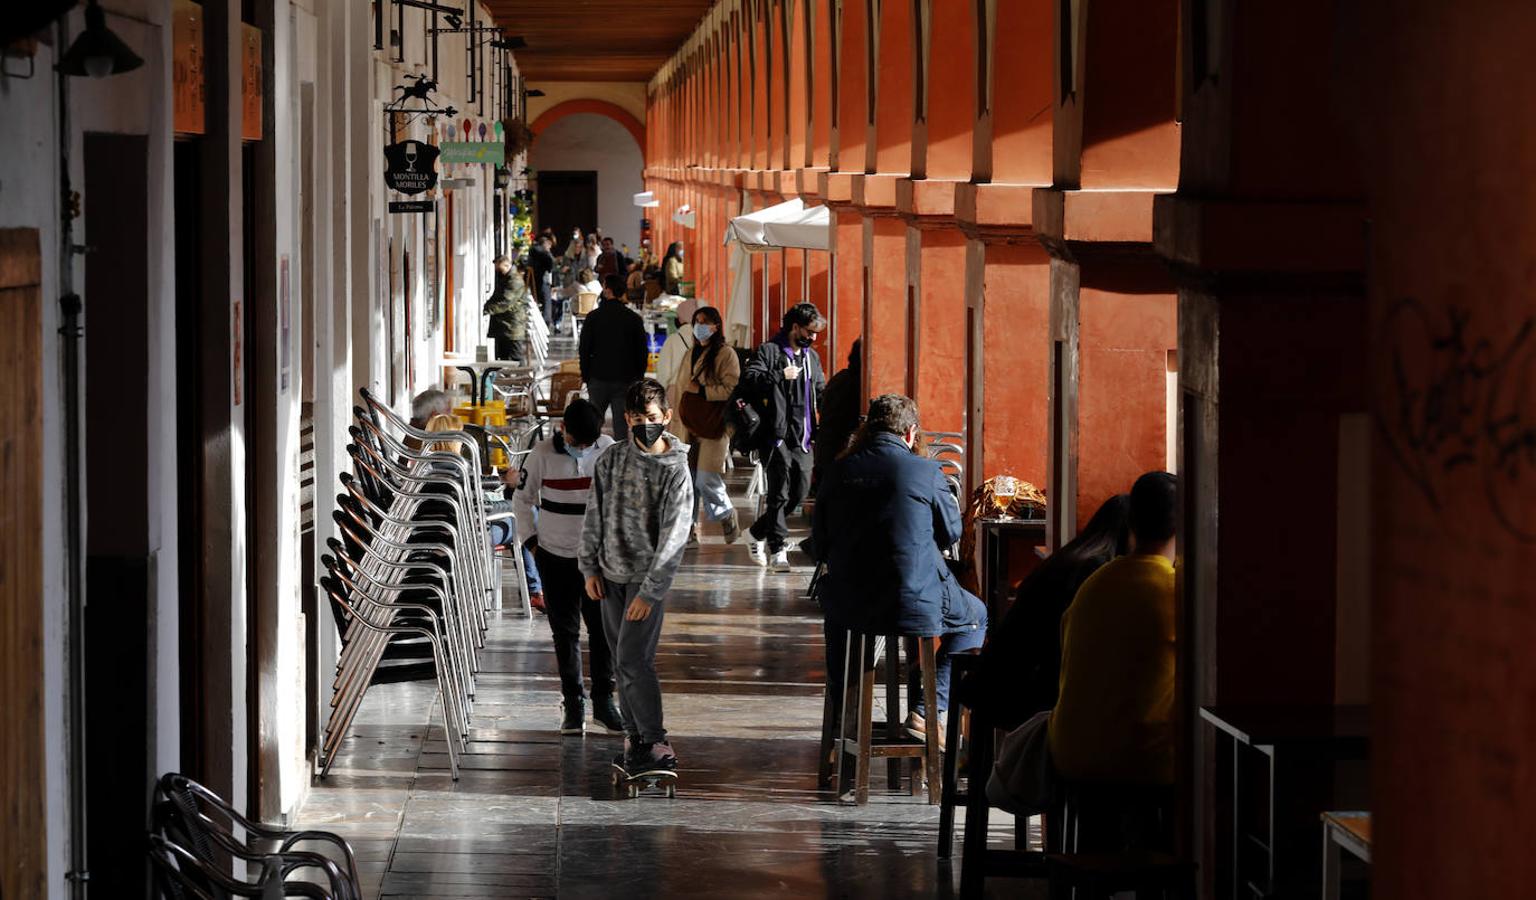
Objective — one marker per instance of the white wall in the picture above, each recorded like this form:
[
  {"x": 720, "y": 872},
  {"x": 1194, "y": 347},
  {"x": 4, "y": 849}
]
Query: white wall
[{"x": 588, "y": 141}]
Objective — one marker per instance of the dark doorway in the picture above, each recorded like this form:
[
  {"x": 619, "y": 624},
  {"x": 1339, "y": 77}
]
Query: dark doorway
[
  {"x": 567, "y": 200},
  {"x": 116, "y": 456}
]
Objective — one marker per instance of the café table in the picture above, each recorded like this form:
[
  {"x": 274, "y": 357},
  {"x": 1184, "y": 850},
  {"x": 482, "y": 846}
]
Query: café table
[
  {"x": 996, "y": 542},
  {"x": 1343, "y": 832},
  {"x": 482, "y": 372},
  {"x": 1301, "y": 744}
]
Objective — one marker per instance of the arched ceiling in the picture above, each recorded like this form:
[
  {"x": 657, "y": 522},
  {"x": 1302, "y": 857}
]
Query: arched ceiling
[{"x": 597, "y": 40}]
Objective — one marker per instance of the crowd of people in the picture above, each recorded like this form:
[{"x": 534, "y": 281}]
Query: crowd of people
[{"x": 1081, "y": 667}]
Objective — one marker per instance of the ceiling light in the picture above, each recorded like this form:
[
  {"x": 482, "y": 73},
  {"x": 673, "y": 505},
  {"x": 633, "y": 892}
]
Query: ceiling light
[
  {"x": 453, "y": 21},
  {"x": 533, "y": 92},
  {"x": 98, "y": 51}
]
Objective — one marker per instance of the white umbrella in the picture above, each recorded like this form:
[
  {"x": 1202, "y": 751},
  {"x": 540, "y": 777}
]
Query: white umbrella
[{"x": 787, "y": 224}]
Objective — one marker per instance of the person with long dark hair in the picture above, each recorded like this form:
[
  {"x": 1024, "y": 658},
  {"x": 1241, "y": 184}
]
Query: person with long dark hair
[
  {"x": 1021, "y": 665},
  {"x": 672, "y": 267}
]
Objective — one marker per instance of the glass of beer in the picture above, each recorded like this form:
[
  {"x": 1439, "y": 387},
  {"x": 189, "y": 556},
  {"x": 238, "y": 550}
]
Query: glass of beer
[{"x": 1004, "y": 489}]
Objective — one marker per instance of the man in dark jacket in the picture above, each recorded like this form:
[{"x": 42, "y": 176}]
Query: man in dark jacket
[
  {"x": 508, "y": 309},
  {"x": 542, "y": 259},
  {"x": 784, "y": 378},
  {"x": 613, "y": 353},
  {"x": 883, "y": 517}
]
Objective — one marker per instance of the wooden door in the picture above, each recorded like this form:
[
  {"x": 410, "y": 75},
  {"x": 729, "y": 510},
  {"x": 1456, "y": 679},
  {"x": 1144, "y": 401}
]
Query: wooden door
[{"x": 22, "y": 842}]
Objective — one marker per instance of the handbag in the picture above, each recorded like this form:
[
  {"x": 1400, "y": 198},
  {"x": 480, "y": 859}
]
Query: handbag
[
  {"x": 704, "y": 418},
  {"x": 1023, "y": 779}
]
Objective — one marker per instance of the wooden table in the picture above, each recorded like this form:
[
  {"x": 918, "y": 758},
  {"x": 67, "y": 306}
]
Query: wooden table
[
  {"x": 996, "y": 541},
  {"x": 1301, "y": 745},
  {"x": 1343, "y": 831}
]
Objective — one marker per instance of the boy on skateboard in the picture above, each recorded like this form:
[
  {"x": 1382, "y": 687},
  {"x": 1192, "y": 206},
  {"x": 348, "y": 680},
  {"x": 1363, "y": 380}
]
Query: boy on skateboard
[{"x": 638, "y": 518}]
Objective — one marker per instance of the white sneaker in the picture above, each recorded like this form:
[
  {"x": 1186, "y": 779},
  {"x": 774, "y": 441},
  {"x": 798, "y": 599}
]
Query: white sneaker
[
  {"x": 780, "y": 562},
  {"x": 758, "y": 550}
]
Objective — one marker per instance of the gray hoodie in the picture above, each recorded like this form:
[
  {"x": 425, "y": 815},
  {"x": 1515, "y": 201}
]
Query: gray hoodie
[{"x": 638, "y": 517}]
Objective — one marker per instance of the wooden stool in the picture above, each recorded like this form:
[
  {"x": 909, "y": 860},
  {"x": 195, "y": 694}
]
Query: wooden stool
[
  {"x": 951, "y": 795},
  {"x": 849, "y": 731}
]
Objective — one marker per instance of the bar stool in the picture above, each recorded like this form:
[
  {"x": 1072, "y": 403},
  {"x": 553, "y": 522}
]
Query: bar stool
[{"x": 849, "y": 731}]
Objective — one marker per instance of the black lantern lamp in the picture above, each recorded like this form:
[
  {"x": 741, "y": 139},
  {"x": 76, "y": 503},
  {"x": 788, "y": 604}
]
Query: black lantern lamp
[{"x": 98, "y": 51}]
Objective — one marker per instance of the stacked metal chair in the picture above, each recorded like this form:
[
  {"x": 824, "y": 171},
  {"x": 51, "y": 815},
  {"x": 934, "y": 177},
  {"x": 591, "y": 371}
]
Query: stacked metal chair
[
  {"x": 413, "y": 563},
  {"x": 196, "y": 834}
]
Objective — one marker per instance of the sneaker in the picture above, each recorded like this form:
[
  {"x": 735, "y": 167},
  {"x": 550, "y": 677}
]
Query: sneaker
[
  {"x": 758, "y": 550},
  {"x": 731, "y": 527},
  {"x": 917, "y": 726},
  {"x": 780, "y": 562},
  {"x": 606, "y": 713},
  {"x": 574, "y": 720},
  {"x": 536, "y": 600},
  {"x": 657, "y": 757}
]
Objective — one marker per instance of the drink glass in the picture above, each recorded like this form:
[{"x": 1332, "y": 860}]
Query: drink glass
[{"x": 1004, "y": 489}]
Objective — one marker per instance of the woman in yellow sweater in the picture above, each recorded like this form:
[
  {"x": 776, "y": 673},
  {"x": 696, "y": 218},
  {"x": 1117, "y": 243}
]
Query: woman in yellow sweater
[{"x": 1113, "y": 720}]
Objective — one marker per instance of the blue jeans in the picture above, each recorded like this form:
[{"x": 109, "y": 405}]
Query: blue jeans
[
  {"x": 501, "y": 535},
  {"x": 965, "y": 629}
]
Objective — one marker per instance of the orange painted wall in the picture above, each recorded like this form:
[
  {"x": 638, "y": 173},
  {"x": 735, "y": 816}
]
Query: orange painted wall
[
  {"x": 885, "y": 309},
  {"x": 852, "y": 87},
  {"x": 892, "y": 132},
  {"x": 848, "y": 293},
  {"x": 1015, "y": 312},
  {"x": 950, "y": 91},
  {"x": 1129, "y": 137},
  {"x": 939, "y": 368},
  {"x": 1122, "y": 426},
  {"x": 1021, "y": 99}
]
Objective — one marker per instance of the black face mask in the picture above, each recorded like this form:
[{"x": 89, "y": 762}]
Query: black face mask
[
  {"x": 805, "y": 340},
  {"x": 648, "y": 434}
]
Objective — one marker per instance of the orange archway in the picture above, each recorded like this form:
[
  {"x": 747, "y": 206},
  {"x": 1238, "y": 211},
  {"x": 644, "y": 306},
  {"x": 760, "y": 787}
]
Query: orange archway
[{"x": 619, "y": 114}]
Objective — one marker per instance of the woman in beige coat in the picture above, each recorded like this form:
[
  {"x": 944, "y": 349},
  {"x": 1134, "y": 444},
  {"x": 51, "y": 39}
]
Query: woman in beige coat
[{"x": 710, "y": 372}]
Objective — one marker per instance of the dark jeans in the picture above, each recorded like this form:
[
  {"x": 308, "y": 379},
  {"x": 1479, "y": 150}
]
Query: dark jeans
[
  {"x": 508, "y": 348},
  {"x": 606, "y": 395},
  {"x": 566, "y": 606},
  {"x": 965, "y": 629},
  {"x": 789, "y": 475}
]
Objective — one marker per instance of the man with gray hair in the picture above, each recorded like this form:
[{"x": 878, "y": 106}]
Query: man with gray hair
[{"x": 429, "y": 403}]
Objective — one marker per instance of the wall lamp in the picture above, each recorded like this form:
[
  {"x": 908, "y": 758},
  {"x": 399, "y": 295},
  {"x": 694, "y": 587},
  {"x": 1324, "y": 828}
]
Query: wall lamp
[{"x": 98, "y": 51}]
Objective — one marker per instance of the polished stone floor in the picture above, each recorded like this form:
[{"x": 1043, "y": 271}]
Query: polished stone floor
[{"x": 534, "y": 814}]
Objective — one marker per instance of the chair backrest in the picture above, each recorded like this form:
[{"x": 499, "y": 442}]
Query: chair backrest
[{"x": 585, "y": 303}]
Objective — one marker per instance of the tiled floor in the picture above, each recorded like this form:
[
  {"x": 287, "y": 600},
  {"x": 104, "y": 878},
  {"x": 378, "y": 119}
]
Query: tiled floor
[{"x": 534, "y": 814}]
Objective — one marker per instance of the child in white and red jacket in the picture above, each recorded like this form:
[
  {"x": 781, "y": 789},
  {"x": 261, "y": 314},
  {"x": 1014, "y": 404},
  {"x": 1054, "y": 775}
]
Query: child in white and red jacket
[{"x": 551, "y": 501}]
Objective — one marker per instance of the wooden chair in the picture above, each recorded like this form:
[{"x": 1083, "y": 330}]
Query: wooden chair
[{"x": 848, "y": 729}]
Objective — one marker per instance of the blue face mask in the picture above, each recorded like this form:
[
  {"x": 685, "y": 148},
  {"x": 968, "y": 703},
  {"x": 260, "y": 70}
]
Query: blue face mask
[
  {"x": 703, "y": 332},
  {"x": 577, "y": 453}
]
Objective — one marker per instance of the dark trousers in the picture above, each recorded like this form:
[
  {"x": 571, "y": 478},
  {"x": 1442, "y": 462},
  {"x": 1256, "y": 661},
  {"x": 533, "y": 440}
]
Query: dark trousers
[
  {"x": 566, "y": 605},
  {"x": 609, "y": 395},
  {"x": 634, "y": 649},
  {"x": 509, "y": 348},
  {"x": 789, "y": 476}
]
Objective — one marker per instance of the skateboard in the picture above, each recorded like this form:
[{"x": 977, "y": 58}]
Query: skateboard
[{"x": 635, "y": 783}]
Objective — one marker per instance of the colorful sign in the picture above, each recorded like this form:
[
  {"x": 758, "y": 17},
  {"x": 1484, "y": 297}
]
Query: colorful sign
[{"x": 489, "y": 152}]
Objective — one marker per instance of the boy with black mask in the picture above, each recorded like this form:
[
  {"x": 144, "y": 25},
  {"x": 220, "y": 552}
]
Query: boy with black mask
[
  {"x": 550, "y": 500},
  {"x": 637, "y": 522},
  {"x": 785, "y": 375}
]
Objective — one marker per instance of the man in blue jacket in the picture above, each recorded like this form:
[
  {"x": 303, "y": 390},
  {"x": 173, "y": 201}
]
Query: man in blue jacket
[{"x": 883, "y": 517}]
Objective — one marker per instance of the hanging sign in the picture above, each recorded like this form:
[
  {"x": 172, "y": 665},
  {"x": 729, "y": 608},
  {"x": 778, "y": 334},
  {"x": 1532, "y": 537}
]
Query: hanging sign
[
  {"x": 491, "y": 152},
  {"x": 410, "y": 167},
  {"x": 411, "y": 206}
]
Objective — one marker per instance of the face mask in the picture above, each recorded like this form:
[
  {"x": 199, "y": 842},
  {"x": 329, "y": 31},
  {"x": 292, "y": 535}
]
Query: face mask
[
  {"x": 703, "y": 332},
  {"x": 577, "y": 453},
  {"x": 648, "y": 434},
  {"x": 806, "y": 340}
]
